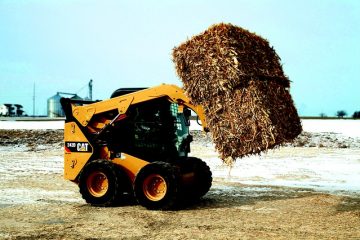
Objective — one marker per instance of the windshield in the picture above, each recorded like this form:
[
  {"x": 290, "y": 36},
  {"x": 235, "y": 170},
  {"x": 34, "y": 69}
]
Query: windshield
[{"x": 182, "y": 130}]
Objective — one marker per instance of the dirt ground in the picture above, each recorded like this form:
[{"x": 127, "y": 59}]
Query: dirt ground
[{"x": 37, "y": 203}]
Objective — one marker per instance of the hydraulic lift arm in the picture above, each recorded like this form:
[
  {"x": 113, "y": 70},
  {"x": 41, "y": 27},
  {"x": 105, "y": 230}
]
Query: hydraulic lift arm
[{"x": 83, "y": 114}]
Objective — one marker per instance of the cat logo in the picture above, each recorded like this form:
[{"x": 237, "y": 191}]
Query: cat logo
[
  {"x": 82, "y": 147},
  {"x": 77, "y": 147}
]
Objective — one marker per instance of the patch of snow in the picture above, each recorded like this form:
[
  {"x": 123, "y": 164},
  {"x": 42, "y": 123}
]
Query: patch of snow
[
  {"x": 33, "y": 195},
  {"x": 32, "y": 124},
  {"x": 334, "y": 170},
  {"x": 347, "y": 127}
]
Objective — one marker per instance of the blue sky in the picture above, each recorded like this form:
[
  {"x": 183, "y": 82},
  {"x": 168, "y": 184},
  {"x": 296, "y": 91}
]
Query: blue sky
[{"x": 60, "y": 45}]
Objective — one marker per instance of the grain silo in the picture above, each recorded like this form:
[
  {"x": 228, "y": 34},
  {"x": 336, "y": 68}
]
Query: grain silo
[{"x": 54, "y": 108}]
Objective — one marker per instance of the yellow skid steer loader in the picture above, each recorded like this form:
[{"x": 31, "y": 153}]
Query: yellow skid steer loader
[{"x": 137, "y": 142}]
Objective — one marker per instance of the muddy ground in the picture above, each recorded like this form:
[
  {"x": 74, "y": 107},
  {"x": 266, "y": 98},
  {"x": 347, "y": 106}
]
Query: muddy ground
[{"x": 37, "y": 203}]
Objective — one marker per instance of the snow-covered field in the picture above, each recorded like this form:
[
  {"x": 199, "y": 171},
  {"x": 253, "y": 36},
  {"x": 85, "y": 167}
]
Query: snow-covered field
[
  {"x": 321, "y": 169},
  {"x": 333, "y": 169},
  {"x": 344, "y": 126},
  {"x": 32, "y": 124}
]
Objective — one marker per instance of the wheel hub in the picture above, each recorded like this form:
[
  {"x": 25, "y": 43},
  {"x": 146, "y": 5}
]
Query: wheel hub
[
  {"x": 155, "y": 187},
  {"x": 97, "y": 184}
]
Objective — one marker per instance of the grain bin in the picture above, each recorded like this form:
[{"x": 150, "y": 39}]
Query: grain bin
[{"x": 54, "y": 108}]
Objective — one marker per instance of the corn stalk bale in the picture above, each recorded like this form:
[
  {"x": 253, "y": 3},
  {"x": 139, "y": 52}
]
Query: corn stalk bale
[{"x": 238, "y": 79}]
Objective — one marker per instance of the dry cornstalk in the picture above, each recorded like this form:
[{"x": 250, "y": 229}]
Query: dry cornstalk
[{"x": 238, "y": 79}]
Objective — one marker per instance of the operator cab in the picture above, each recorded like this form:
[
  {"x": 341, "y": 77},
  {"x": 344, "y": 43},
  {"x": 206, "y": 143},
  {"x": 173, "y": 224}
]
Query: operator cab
[{"x": 155, "y": 130}]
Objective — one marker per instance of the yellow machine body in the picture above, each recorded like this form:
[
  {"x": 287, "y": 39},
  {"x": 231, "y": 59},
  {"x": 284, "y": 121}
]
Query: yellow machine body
[
  {"x": 134, "y": 143},
  {"x": 78, "y": 150}
]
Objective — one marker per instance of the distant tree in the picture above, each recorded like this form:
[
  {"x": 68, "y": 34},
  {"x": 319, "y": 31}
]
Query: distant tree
[
  {"x": 323, "y": 115},
  {"x": 341, "y": 114},
  {"x": 356, "y": 115}
]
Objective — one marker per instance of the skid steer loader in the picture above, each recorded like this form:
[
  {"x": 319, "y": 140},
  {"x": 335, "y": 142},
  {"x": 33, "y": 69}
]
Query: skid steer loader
[{"x": 137, "y": 142}]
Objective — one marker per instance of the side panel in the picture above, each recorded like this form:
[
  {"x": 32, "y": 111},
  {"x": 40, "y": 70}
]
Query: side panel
[
  {"x": 132, "y": 165},
  {"x": 77, "y": 150}
]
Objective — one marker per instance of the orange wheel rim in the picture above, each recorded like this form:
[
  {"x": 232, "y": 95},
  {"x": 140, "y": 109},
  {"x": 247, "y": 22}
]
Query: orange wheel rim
[
  {"x": 154, "y": 187},
  {"x": 97, "y": 184}
]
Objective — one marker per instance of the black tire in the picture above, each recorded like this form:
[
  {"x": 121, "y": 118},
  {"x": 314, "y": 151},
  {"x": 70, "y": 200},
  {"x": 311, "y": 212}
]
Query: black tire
[
  {"x": 125, "y": 194},
  {"x": 157, "y": 186},
  {"x": 99, "y": 183},
  {"x": 201, "y": 180}
]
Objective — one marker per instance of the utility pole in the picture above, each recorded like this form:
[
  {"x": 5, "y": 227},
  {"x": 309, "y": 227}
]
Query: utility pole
[
  {"x": 90, "y": 88},
  {"x": 34, "y": 101}
]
